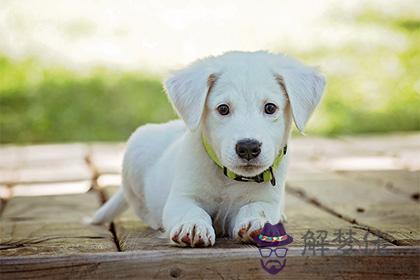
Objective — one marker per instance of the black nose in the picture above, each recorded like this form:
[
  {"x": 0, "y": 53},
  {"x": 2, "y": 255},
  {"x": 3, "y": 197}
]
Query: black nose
[{"x": 248, "y": 148}]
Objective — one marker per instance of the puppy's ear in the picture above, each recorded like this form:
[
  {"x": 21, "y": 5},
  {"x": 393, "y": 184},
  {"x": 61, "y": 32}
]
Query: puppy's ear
[
  {"x": 304, "y": 88},
  {"x": 188, "y": 89}
]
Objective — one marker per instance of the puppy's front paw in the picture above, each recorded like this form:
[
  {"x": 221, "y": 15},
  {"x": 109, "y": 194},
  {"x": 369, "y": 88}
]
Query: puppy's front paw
[
  {"x": 245, "y": 232},
  {"x": 193, "y": 235}
]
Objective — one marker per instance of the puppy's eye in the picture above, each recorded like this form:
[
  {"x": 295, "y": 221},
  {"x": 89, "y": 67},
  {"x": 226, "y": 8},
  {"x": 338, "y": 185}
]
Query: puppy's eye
[
  {"x": 270, "y": 108},
  {"x": 223, "y": 109}
]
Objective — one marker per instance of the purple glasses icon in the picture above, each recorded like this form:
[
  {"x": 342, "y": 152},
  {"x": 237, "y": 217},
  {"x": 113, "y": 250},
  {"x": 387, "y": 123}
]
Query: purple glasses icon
[{"x": 266, "y": 252}]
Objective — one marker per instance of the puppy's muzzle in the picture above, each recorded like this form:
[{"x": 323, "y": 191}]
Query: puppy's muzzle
[{"x": 248, "y": 148}]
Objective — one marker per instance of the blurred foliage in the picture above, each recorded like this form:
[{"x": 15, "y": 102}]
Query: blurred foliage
[
  {"x": 372, "y": 89},
  {"x": 45, "y": 105}
]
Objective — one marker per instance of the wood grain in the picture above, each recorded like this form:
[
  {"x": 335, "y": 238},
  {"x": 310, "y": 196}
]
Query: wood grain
[
  {"x": 132, "y": 234},
  {"x": 51, "y": 188},
  {"x": 37, "y": 155},
  {"x": 52, "y": 225},
  {"x": 45, "y": 237},
  {"x": 53, "y": 238},
  {"x": 361, "y": 153},
  {"x": 401, "y": 182},
  {"x": 66, "y": 171},
  {"x": 366, "y": 203},
  {"x": 62, "y": 208},
  {"x": 43, "y": 164},
  {"x": 243, "y": 263},
  {"x": 106, "y": 158}
]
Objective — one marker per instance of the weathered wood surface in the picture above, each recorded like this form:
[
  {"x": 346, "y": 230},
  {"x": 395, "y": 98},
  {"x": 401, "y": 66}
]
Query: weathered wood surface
[
  {"x": 243, "y": 263},
  {"x": 369, "y": 185},
  {"x": 348, "y": 178},
  {"x": 52, "y": 225},
  {"x": 402, "y": 182},
  {"x": 43, "y": 163},
  {"x": 366, "y": 203},
  {"x": 51, "y": 188},
  {"x": 18, "y": 156},
  {"x": 132, "y": 234},
  {"x": 107, "y": 158},
  {"x": 388, "y": 152},
  {"x": 74, "y": 170}
]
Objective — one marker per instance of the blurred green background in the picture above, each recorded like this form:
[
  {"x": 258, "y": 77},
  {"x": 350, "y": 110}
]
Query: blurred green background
[{"x": 371, "y": 89}]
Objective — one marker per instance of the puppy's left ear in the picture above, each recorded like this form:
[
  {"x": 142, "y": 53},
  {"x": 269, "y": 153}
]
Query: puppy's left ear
[
  {"x": 304, "y": 88},
  {"x": 188, "y": 89}
]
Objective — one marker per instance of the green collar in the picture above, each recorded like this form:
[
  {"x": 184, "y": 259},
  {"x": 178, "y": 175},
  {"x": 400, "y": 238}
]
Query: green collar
[{"x": 265, "y": 176}]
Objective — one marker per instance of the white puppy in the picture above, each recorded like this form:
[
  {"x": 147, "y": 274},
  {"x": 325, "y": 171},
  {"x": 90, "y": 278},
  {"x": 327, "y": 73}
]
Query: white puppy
[{"x": 221, "y": 170}]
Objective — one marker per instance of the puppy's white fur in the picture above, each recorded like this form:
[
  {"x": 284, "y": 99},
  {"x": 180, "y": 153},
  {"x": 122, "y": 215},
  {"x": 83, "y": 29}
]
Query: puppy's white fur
[{"x": 169, "y": 179}]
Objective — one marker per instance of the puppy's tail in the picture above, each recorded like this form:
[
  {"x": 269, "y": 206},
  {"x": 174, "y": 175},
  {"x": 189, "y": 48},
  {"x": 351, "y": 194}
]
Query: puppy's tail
[{"x": 111, "y": 209}]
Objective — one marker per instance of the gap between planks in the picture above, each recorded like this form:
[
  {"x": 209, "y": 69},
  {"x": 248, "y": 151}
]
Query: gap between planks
[
  {"x": 301, "y": 194},
  {"x": 103, "y": 200},
  {"x": 133, "y": 234},
  {"x": 101, "y": 195}
]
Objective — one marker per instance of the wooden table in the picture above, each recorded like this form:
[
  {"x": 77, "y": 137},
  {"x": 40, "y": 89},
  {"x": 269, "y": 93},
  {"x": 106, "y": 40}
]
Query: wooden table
[{"x": 357, "y": 198}]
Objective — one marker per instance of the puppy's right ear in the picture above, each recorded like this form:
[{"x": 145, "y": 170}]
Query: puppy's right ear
[
  {"x": 304, "y": 88},
  {"x": 188, "y": 89}
]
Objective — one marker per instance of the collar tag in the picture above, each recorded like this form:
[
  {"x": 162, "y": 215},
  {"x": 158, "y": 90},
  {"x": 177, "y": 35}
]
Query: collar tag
[{"x": 258, "y": 179}]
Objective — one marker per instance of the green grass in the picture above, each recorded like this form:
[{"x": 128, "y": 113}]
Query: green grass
[
  {"x": 378, "y": 91},
  {"x": 54, "y": 105}
]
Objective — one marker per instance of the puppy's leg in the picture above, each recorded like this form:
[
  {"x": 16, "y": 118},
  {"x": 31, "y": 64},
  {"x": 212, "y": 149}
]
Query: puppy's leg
[
  {"x": 188, "y": 224},
  {"x": 252, "y": 217}
]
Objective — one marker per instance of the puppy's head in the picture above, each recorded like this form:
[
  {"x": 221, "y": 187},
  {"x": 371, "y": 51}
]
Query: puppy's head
[{"x": 244, "y": 103}]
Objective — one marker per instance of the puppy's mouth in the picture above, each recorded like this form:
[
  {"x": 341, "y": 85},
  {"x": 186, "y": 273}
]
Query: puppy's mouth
[
  {"x": 249, "y": 170},
  {"x": 250, "y": 166}
]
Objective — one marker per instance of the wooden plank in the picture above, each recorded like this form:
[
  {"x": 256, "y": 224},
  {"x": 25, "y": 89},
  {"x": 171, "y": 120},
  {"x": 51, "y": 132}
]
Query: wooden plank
[
  {"x": 20, "y": 156},
  {"x": 8, "y": 176},
  {"x": 392, "y": 152},
  {"x": 402, "y": 182},
  {"x": 243, "y": 263},
  {"x": 5, "y": 192},
  {"x": 410, "y": 160},
  {"x": 386, "y": 143},
  {"x": 43, "y": 163},
  {"x": 361, "y": 163},
  {"x": 132, "y": 234},
  {"x": 367, "y": 203},
  {"x": 106, "y": 158},
  {"x": 53, "y": 238},
  {"x": 309, "y": 153},
  {"x": 67, "y": 171},
  {"x": 2, "y": 205},
  {"x": 314, "y": 155},
  {"x": 58, "y": 188},
  {"x": 64, "y": 208},
  {"x": 52, "y": 225},
  {"x": 398, "y": 151},
  {"x": 304, "y": 218},
  {"x": 314, "y": 174},
  {"x": 106, "y": 180}
]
